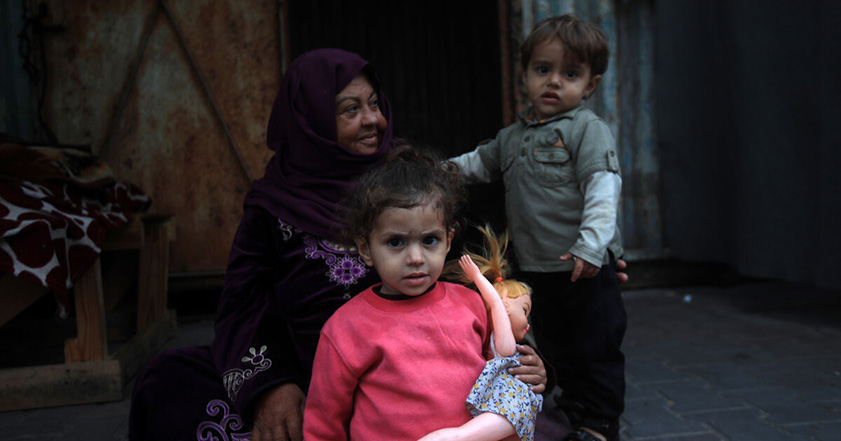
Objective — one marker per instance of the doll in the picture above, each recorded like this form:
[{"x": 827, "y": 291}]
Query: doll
[{"x": 500, "y": 404}]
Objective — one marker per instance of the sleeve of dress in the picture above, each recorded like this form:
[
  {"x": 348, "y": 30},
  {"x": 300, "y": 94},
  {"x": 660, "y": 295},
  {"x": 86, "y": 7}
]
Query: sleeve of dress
[
  {"x": 330, "y": 399},
  {"x": 249, "y": 358}
]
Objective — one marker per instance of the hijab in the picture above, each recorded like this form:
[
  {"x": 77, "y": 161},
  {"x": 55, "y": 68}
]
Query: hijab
[{"x": 310, "y": 173}]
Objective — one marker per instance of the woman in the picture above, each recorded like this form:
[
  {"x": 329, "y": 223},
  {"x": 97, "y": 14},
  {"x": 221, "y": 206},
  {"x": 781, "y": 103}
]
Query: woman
[{"x": 330, "y": 123}]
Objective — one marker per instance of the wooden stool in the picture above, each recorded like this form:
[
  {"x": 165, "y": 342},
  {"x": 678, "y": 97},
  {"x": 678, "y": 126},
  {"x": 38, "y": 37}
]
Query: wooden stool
[{"x": 89, "y": 374}]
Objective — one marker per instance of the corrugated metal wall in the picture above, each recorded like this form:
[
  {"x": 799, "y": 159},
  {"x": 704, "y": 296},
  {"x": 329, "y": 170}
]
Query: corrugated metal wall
[{"x": 176, "y": 95}]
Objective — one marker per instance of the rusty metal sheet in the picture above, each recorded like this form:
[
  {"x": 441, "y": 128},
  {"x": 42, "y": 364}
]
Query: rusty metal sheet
[{"x": 207, "y": 73}]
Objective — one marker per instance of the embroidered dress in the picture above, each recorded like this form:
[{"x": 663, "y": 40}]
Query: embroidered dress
[
  {"x": 201, "y": 392},
  {"x": 499, "y": 392}
]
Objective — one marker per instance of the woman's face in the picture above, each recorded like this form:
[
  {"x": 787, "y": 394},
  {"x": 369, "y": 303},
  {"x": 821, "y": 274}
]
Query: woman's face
[{"x": 359, "y": 122}]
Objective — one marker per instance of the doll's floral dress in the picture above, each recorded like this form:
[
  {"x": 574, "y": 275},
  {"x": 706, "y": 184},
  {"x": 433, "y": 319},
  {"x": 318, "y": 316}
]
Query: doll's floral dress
[{"x": 499, "y": 392}]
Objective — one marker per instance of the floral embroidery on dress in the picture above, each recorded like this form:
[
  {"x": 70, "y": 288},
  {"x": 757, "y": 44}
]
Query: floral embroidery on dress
[
  {"x": 345, "y": 267},
  {"x": 218, "y": 431},
  {"x": 285, "y": 229},
  {"x": 233, "y": 379}
]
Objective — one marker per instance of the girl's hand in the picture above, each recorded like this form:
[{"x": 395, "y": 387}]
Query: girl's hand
[
  {"x": 469, "y": 268},
  {"x": 532, "y": 371}
]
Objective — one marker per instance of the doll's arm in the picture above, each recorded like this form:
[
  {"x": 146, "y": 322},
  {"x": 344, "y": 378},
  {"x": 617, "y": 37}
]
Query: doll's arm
[{"x": 503, "y": 335}]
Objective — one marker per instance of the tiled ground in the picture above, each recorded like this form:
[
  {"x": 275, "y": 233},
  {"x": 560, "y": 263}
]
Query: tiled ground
[{"x": 755, "y": 361}]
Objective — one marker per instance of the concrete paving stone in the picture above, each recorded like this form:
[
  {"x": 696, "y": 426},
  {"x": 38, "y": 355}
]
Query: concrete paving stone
[
  {"x": 37, "y": 423},
  {"x": 692, "y": 395},
  {"x": 100, "y": 427},
  {"x": 823, "y": 431},
  {"x": 744, "y": 425},
  {"x": 105, "y": 409},
  {"x": 705, "y": 436},
  {"x": 650, "y": 418},
  {"x": 634, "y": 392},
  {"x": 783, "y": 406},
  {"x": 723, "y": 375},
  {"x": 812, "y": 381},
  {"x": 642, "y": 370},
  {"x": 697, "y": 351}
]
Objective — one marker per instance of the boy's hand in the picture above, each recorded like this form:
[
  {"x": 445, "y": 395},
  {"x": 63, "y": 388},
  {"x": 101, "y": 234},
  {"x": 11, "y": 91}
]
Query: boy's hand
[
  {"x": 622, "y": 276},
  {"x": 583, "y": 269}
]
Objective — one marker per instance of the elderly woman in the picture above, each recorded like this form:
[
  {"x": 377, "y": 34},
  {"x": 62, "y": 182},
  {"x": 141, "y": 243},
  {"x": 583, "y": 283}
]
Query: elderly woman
[{"x": 285, "y": 277}]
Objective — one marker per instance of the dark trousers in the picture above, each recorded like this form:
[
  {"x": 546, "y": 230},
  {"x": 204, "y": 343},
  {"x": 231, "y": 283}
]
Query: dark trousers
[{"x": 579, "y": 328}]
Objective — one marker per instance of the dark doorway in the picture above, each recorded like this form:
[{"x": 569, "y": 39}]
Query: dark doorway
[{"x": 439, "y": 61}]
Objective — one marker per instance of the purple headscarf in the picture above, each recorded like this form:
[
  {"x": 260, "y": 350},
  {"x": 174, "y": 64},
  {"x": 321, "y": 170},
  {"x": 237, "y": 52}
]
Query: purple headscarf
[{"x": 311, "y": 173}]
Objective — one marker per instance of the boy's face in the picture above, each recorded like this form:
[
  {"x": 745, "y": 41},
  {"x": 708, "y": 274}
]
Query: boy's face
[
  {"x": 555, "y": 82},
  {"x": 408, "y": 248}
]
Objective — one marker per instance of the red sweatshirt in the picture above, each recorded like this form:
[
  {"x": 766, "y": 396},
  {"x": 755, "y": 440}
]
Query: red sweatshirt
[{"x": 396, "y": 369}]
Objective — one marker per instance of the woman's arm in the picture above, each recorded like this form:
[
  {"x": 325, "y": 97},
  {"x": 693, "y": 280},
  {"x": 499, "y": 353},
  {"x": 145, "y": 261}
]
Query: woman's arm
[{"x": 503, "y": 341}]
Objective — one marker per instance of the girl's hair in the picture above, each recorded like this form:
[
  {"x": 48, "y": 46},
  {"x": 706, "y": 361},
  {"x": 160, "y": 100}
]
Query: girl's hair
[
  {"x": 586, "y": 40},
  {"x": 409, "y": 178},
  {"x": 493, "y": 265}
]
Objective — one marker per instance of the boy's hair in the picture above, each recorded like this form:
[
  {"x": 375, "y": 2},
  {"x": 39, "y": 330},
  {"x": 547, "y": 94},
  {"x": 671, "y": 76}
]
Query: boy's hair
[
  {"x": 586, "y": 40},
  {"x": 493, "y": 265},
  {"x": 409, "y": 178}
]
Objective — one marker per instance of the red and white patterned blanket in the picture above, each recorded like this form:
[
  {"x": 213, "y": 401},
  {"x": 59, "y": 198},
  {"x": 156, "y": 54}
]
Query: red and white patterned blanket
[{"x": 52, "y": 231}]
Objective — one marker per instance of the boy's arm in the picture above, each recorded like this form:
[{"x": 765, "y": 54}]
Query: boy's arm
[
  {"x": 483, "y": 164},
  {"x": 598, "y": 221},
  {"x": 503, "y": 340},
  {"x": 472, "y": 169}
]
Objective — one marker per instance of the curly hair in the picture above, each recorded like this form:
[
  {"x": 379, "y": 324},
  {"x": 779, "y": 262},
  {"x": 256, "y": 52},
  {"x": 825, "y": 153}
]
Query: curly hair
[{"x": 408, "y": 178}]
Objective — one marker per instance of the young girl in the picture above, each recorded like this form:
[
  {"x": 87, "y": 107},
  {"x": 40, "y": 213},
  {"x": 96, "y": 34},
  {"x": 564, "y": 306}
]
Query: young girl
[
  {"x": 393, "y": 362},
  {"x": 501, "y": 404}
]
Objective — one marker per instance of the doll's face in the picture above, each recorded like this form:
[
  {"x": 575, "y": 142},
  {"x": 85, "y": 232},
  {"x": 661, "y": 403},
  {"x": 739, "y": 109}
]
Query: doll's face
[
  {"x": 408, "y": 248},
  {"x": 518, "y": 312}
]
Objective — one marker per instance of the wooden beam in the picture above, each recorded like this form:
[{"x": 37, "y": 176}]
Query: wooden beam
[
  {"x": 60, "y": 385},
  {"x": 152, "y": 281},
  {"x": 90, "y": 343}
]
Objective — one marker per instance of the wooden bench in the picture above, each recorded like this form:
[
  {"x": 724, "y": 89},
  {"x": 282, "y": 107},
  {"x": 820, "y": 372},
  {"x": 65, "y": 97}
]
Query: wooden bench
[{"x": 90, "y": 374}]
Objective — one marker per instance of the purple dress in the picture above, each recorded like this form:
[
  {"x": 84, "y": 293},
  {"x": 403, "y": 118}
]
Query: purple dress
[
  {"x": 283, "y": 279},
  {"x": 266, "y": 333}
]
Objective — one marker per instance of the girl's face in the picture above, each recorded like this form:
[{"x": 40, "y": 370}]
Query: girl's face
[
  {"x": 518, "y": 312},
  {"x": 359, "y": 122},
  {"x": 408, "y": 248}
]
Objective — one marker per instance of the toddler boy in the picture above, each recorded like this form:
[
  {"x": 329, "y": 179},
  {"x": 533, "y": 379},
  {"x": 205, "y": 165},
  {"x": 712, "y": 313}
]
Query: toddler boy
[{"x": 562, "y": 184}]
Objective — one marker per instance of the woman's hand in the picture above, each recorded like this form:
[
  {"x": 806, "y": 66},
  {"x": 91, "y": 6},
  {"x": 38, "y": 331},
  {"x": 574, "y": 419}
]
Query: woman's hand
[
  {"x": 279, "y": 415},
  {"x": 531, "y": 370}
]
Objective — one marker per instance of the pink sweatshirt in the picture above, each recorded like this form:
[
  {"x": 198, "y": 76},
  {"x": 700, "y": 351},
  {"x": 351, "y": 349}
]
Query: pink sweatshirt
[{"x": 397, "y": 369}]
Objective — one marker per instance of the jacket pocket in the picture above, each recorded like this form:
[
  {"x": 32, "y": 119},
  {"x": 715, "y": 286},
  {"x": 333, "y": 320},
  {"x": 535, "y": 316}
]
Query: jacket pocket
[{"x": 553, "y": 166}]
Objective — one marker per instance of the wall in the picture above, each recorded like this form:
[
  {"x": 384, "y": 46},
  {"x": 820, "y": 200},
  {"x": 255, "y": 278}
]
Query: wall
[
  {"x": 747, "y": 121},
  {"x": 175, "y": 97}
]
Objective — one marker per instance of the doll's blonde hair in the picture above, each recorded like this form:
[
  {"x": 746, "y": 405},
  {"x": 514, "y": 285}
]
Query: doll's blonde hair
[{"x": 493, "y": 265}]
